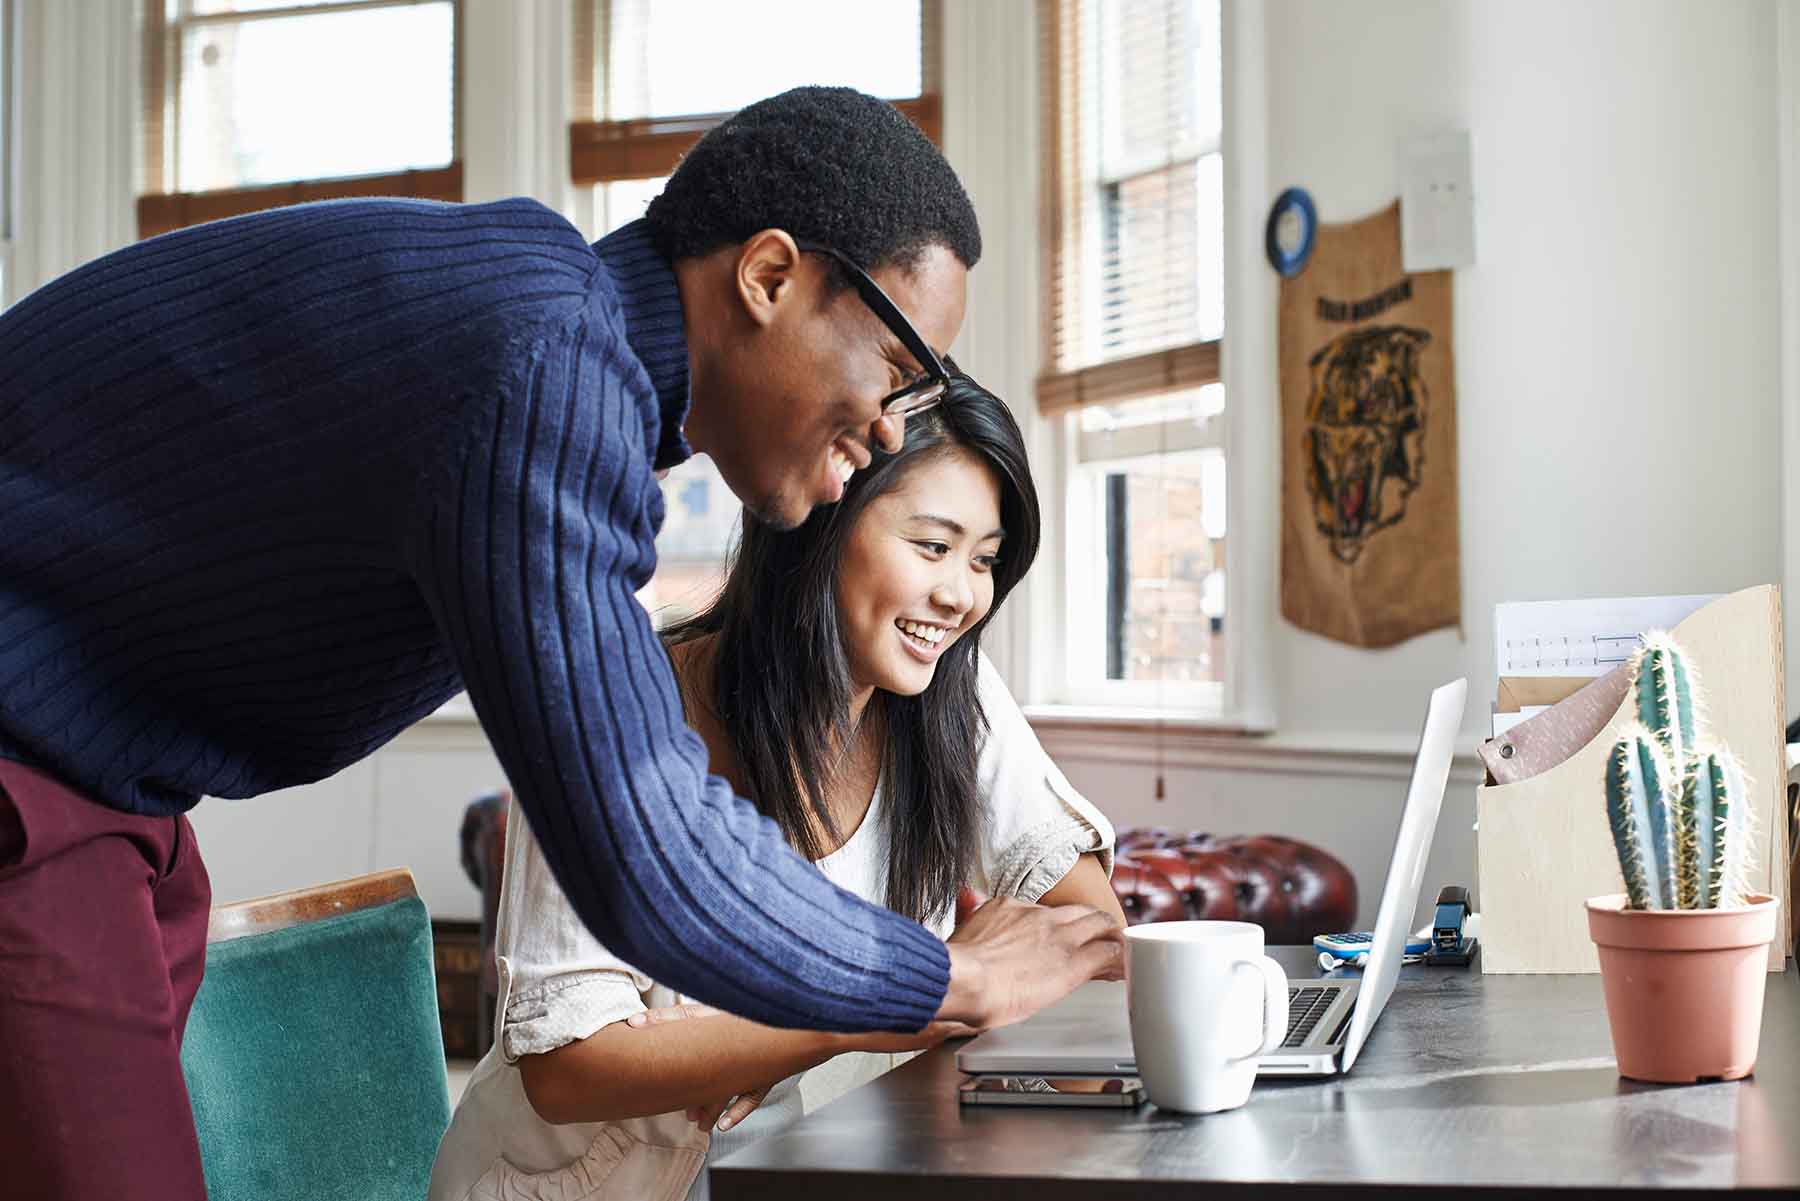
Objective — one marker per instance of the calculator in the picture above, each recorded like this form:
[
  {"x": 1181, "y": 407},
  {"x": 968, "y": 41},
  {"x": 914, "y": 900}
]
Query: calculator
[{"x": 1362, "y": 942}]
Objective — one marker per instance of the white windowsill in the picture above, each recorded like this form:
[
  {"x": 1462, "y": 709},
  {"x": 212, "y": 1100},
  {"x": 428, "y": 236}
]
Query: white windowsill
[
  {"x": 1147, "y": 739},
  {"x": 1128, "y": 717}
]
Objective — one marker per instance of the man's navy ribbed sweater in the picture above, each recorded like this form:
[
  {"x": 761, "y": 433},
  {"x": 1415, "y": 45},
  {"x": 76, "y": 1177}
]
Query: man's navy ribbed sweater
[{"x": 274, "y": 488}]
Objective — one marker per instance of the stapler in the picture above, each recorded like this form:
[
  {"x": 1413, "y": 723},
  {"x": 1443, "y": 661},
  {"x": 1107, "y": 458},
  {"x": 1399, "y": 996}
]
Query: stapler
[{"x": 1448, "y": 946}]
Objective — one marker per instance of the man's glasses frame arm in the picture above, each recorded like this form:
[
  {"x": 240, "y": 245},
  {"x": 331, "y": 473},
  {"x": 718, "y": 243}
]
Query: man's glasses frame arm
[{"x": 935, "y": 378}]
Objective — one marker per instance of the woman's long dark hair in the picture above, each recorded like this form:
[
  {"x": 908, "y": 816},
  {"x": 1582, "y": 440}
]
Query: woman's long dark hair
[{"x": 781, "y": 683}]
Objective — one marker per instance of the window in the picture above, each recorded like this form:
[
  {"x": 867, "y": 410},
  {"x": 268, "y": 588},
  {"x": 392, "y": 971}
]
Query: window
[
  {"x": 1148, "y": 489},
  {"x": 646, "y": 89},
  {"x": 1135, "y": 266},
  {"x": 249, "y": 104}
]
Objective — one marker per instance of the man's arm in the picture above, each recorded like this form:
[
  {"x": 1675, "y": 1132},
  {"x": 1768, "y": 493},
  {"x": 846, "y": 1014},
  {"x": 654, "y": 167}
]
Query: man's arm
[{"x": 537, "y": 542}]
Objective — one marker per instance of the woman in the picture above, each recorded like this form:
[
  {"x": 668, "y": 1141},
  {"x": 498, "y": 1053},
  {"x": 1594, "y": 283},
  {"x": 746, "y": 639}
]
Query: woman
[{"x": 838, "y": 682}]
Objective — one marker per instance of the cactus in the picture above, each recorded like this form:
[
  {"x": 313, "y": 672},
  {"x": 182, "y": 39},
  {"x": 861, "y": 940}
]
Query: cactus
[
  {"x": 1665, "y": 696},
  {"x": 1727, "y": 859},
  {"x": 1637, "y": 779},
  {"x": 1698, "y": 841},
  {"x": 1678, "y": 807}
]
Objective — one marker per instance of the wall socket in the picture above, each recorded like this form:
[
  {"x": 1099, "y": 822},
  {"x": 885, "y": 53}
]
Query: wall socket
[{"x": 1437, "y": 202}]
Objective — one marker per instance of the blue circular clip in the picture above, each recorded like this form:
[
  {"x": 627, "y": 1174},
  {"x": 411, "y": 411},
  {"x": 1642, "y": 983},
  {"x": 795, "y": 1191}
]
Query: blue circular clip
[{"x": 1293, "y": 225}]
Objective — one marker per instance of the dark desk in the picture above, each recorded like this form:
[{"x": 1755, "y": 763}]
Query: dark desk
[{"x": 1470, "y": 1083}]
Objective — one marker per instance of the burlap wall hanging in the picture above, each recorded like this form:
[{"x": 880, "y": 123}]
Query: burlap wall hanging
[{"x": 1369, "y": 543}]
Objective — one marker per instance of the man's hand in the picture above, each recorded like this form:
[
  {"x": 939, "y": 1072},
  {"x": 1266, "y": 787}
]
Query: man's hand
[
  {"x": 924, "y": 1040},
  {"x": 1009, "y": 959}
]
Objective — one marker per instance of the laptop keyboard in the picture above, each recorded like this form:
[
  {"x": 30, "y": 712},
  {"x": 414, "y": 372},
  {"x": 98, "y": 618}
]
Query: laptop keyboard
[{"x": 1305, "y": 1007}]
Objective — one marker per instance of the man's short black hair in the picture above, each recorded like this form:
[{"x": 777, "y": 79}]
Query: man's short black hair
[{"x": 830, "y": 165}]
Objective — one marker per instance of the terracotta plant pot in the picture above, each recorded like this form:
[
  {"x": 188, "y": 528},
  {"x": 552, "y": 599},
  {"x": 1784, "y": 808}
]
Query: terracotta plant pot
[{"x": 1684, "y": 987}]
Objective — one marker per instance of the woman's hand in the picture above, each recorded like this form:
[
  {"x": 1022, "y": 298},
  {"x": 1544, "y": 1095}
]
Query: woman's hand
[
  {"x": 672, "y": 1013},
  {"x": 968, "y": 900}
]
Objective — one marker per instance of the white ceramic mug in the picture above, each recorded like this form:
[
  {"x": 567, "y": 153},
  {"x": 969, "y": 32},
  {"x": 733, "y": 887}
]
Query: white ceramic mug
[{"x": 1205, "y": 1004}]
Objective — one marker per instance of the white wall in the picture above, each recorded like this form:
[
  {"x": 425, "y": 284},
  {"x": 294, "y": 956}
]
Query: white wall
[
  {"x": 402, "y": 807},
  {"x": 515, "y": 100},
  {"x": 1618, "y": 341},
  {"x": 1788, "y": 136},
  {"x": 76, "y": 125}
]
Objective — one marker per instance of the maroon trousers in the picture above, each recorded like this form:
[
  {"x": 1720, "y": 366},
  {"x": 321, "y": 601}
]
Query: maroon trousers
[{"x": 102, "y": 944}]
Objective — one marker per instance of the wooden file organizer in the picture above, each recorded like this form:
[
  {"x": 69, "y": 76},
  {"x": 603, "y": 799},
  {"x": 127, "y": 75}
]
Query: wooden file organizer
[{"x": 1543, "y": 846}]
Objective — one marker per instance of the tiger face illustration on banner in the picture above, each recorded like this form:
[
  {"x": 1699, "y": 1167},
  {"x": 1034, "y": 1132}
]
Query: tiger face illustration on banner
[{"x": 1365, "y": 433}]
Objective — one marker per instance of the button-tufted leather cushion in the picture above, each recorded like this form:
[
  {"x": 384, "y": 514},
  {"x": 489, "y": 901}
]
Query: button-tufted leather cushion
[
  {"x": 1292, "y": 889},
  {"x": 1146, "y": 895}
]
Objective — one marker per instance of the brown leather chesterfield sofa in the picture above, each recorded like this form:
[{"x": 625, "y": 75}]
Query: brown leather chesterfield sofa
[{"x": 1293, "y": 890}]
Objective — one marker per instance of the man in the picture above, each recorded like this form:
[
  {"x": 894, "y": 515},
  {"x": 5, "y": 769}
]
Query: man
[{"x": 276, "y": 487}]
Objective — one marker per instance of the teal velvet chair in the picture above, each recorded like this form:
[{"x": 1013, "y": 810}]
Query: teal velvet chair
[{"x": 313, "y": 1054}]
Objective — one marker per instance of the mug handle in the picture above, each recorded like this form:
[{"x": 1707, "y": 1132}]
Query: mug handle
[{"x": 1275, "y": 1005}]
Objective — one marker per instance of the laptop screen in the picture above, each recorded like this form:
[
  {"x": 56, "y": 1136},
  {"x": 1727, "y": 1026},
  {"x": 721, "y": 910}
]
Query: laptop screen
[{"x": 1406, "y": 871}]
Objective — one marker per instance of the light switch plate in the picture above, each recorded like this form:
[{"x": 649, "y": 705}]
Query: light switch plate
[{"x": 1437, "y": 202}]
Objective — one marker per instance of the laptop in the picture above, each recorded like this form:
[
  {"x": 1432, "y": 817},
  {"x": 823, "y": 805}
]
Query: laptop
[{"x": 1089, "y": 1033}]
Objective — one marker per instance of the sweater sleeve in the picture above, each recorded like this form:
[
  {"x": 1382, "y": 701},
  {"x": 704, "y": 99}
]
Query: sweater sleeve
[{"x": 536, "y": 542}]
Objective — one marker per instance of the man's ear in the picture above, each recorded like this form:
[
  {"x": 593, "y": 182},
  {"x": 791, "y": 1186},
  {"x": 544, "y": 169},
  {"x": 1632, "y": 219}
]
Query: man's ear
[{"x": 767, "y": 263}]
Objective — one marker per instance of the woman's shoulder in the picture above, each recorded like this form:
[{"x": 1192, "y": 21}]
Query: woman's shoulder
[
  {"x": 691, "y": 660},
  {"x": 691, "y": 653}
]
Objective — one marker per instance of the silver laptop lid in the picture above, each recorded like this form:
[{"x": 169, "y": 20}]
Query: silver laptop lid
[
  {"x": 1088, "y": 1032},
  {"x": 1412, "y": 845}
]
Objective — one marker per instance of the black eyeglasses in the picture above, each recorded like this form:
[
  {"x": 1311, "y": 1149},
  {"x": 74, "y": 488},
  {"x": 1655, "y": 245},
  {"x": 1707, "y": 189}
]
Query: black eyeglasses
[{"x": 923, "y": 392}]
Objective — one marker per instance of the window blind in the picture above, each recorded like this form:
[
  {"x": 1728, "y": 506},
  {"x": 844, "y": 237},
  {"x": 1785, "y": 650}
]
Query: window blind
[
  {"x": 1133, "y": 199},
  {"x": 647, "y": 88}
]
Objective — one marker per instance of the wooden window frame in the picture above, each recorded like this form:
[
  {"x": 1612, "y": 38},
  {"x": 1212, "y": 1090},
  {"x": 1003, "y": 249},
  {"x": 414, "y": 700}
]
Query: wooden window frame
[
  {"x": 603, "y": 151},
  {"x": 1064, "y": 388},
  {"x": 160, "y": 210},
  {"x": 1082, "y": 680}
]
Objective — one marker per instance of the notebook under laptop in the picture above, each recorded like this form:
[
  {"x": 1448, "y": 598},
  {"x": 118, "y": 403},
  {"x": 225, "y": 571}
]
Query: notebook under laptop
[{"x": 1328, "y": 1020}]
